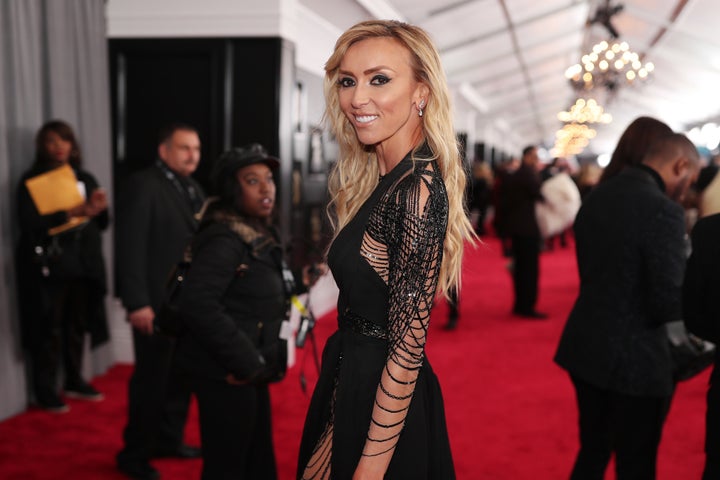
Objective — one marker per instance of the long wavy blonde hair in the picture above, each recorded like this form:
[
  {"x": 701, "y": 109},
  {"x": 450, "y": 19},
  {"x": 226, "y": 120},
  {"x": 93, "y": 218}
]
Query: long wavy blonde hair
[{"x": 355, "y": 174}]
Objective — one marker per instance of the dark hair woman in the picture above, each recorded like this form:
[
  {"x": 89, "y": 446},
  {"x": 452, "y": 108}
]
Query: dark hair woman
[
  {"x": 234, "y": 302},
  {"x": 634, "y": 143},
  {"x": 61, "y": 276}
]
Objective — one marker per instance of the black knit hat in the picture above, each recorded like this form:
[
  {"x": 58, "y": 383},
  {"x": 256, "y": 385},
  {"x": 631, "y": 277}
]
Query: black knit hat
[{"x": 234, "y": 159}]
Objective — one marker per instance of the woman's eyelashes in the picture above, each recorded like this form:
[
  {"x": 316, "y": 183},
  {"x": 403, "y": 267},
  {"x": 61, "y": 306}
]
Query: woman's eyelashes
[
  {"x": 376, "y": 80},
  {"x": 379, "y": 80},
  {"x": 345, "y": 82}
]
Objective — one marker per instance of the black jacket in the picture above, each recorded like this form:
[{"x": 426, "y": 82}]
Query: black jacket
[
  {"x": 631, "y": 259},
  {"x": 155, "y": 222},
  {"x": 233, "y": 300},
  {"x": 520, "y": 192},
  {"x": 75, "y": 254},
  {"x": 701, "y": 305}
]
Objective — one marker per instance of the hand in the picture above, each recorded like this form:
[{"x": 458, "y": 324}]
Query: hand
[
  {"x": 79, "y": 211},
  {"x": 272, "y": 369},
  {"x": 258, "y": 378},
  {"x": 311, "y": 273},
  {"x": 233, "y": 380},
  {"x": 142, "y": 319},
  {"x": 97, "y": 203}
]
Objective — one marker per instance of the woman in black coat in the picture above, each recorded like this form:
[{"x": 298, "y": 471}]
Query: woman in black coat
[
  {"x": 702, "y": 314},
  {"x": 234, "y": 305},
  {"x": 61, "y": 276}
]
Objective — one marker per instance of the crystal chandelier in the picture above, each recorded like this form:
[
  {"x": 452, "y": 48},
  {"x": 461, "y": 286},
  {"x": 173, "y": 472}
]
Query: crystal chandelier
[
  {"x": 576, "y": 134},
  {"x": 608, "y": 65},
  {"x": 585, "y": 111},
  {"x": 572, "y": 139}
]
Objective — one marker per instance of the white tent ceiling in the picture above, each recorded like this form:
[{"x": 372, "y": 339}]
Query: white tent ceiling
[{"x": 510, "y": 57}]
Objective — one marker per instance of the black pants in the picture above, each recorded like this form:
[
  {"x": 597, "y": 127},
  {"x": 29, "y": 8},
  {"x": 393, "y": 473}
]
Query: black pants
[
  {"x": 158, "y": 399},
  {"x": 712, "y": 426},
  {"x": 235, "y": 431},
  {"x": 611, "y": 422},
  {"x": 526, "y": 252},
  {"x": 453, "y": 304},
  {"x": 59, "y": 337}
]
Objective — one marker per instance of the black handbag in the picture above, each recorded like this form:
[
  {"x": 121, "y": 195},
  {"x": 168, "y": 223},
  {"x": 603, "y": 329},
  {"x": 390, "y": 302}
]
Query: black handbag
[{"x": 690, "y": 354}]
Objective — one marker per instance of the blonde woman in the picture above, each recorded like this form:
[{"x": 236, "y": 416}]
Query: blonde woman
[{"x": 397, "y": 202}]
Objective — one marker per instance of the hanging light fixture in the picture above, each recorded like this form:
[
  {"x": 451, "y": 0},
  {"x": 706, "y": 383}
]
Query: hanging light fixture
[
  {"x": 585, "y": 111},
  {"x": 576, "y": 134},
  {"x": 572, "y": 139},
  {"x": 608, "y": 65}
]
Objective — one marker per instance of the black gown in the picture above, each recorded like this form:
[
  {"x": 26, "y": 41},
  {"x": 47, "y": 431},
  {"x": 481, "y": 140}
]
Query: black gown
[{"x": 376, "y": 384}]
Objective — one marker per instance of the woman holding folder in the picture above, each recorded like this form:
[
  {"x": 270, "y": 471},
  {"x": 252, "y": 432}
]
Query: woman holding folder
[{"x": 60, "y": 267}]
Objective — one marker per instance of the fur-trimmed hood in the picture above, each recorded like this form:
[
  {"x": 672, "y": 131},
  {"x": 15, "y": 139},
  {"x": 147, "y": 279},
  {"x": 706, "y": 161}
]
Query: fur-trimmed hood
[{"x": 258, "y": 240}]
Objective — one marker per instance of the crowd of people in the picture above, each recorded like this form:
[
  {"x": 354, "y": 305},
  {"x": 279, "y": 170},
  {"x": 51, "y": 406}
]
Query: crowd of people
[{"x": 400, "y": 199}]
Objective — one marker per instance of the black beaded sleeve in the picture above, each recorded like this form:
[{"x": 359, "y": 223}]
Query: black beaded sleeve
[
  {"x": 403, "y": 243},
  {"x": 406, "y": 236}
]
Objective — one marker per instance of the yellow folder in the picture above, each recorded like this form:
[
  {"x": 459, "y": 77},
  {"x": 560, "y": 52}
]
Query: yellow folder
[{"x": 55, "y": 191}]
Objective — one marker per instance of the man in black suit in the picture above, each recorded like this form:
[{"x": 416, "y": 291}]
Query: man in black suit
[
  {"x": 631, "y": 258},
  {"x": 701, "y": 309},
  {"x": 522, "y": 191},
  {"x": 155, "y": 221}
]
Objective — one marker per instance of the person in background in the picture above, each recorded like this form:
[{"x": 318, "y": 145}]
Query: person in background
[
  {"x": 587, "y": 178},
  {"x": 557, "y": 166},
  {"x": 633, "y": 144},
  {"x": 453, "y": 304},
  {"x": 61, "y": 277},
  {"x": 480, "y": 195},
  {"x": 499, "y": 201},
  {"x": 702, "y": 317},
  {"x": 708, "y": 189},
  {"x": 630, "y": 243},
  {"x": 522, "y": 192},
  {"x": 397, "y": 193},
  {"x": 701, "y": 196},
  {"x": 235, "y": 302},
  {"x": 155, "y": 221}
]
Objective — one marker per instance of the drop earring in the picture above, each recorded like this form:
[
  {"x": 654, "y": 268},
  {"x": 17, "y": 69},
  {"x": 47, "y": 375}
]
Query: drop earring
[{"x": 421, "y": 105}]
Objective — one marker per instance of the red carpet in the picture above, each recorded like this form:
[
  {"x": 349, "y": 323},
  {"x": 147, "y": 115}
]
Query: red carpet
[{"x": 510, "y": 410}]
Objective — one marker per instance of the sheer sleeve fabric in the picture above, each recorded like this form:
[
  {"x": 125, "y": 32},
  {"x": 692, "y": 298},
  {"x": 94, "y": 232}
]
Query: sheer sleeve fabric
[{"x": 414, "y": 220}]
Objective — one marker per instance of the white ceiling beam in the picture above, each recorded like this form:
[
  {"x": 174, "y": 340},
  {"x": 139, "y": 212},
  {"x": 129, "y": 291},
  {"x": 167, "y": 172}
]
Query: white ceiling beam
[
  {"x": 670, "y": 26},
  {"x": 516, "y": 25},
  {"x": 315, "y": 39},
  {"x": 474, "y": 98},
  {"x": 381, "y": 9}
]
